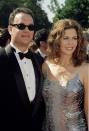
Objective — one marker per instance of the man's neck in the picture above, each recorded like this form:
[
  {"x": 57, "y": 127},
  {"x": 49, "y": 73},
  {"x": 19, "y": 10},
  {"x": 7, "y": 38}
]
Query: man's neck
[{"x": 22, "y": 49}]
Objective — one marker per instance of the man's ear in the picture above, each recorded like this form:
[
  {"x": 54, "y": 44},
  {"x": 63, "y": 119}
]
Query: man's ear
[{"x": 10, "y": 29}]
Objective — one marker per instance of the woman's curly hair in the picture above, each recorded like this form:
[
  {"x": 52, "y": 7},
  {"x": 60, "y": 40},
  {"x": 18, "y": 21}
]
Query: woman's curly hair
[{"x": 56, "y": 34}]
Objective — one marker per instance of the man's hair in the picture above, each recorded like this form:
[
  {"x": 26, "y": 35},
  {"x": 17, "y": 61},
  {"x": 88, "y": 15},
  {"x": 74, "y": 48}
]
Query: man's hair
[
  {"x": 17, "y": 11},
  {"x": 41, "y": 35}
]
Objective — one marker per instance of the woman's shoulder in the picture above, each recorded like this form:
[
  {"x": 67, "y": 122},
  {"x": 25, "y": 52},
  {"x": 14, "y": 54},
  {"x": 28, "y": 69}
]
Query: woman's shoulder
[
  {"x": 84, "y": 67},
  {"x": 45, "y": 66},
  {"x": 84, "y": 72}
]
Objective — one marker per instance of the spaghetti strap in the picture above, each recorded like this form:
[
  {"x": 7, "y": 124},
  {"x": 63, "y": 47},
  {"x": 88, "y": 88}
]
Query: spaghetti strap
[{"x": 64, "y": 104}]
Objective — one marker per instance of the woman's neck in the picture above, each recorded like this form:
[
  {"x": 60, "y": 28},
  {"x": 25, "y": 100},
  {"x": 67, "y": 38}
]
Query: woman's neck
[{"x": 65, "y": 61}]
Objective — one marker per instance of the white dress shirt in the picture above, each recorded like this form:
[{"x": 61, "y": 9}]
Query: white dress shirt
[
  {"x": 27, "y": 70},
  {"x": 41, "y": 53}
]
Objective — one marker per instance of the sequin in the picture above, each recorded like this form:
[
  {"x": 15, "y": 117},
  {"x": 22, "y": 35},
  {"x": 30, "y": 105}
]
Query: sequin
[{"x": 64, "y": 105}]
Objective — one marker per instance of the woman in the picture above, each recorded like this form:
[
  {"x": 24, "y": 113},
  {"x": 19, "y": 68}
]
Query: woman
[{"x": 65, "y": 85}]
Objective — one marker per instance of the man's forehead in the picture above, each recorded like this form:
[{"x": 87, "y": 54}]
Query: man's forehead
[{"x": 22, "y": 17}]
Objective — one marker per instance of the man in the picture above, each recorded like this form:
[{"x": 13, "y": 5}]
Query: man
[
  {"x": 40, "y": 39},
  {"x": 21, "y": 104}
]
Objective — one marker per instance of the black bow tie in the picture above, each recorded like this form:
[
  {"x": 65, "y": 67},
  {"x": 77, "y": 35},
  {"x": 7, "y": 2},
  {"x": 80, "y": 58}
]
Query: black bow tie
[{"x": 22, "y": 55}]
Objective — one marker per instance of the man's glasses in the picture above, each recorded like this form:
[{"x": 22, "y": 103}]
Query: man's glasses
[{"x": 22, "y": 26}]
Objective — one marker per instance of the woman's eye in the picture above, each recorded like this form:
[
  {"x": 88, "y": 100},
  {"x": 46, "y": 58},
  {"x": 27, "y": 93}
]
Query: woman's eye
[
  {"x": 65, "y": 38},
  {"x": 75, "y": 38}
]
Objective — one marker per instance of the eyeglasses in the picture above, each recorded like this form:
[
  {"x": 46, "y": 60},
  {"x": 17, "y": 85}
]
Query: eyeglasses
[{"x": 22, "y": 26}]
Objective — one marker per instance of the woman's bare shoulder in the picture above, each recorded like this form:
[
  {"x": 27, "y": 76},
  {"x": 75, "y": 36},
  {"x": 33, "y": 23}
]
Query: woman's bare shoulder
[
  {"x": 84, "y": 68},
  {"x": 45, "y": 66},
  {"x": 84, "y": 71}
]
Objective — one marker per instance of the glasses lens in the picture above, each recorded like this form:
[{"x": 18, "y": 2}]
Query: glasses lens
[
  {"x": 21, "y": 26},
  {"x": 31, "y": 27}
]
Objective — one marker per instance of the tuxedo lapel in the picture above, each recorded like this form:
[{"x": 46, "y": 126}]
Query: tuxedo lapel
[
  {"x": 13, "y": 63},
  {"x": 38, "y": 76}
]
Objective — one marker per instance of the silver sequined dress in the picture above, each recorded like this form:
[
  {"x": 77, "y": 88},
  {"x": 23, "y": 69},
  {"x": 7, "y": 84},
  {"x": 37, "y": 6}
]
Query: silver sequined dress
[{"x": 64, "y": 105}]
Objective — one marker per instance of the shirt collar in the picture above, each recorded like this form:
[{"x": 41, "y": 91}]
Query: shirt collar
[
  {"x": 42, "y": 54},
  {"x": 17, "y": 50}
]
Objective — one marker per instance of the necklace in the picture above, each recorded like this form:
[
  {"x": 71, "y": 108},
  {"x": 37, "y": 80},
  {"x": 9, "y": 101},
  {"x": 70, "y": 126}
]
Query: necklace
[{"x": 65, "y": 64}]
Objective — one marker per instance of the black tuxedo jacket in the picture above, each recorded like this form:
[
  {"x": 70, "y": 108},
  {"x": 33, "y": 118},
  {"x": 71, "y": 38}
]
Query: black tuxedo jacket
[
  {"x": 41, "y": 59},
  {"x": 16, "y": 111}
]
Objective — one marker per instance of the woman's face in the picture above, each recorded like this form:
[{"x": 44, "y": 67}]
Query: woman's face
[{"x": 68, "y": 42}]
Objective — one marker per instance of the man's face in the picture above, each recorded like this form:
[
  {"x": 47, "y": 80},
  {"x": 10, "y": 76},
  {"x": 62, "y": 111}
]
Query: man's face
[{"x": 21, "y": 38}]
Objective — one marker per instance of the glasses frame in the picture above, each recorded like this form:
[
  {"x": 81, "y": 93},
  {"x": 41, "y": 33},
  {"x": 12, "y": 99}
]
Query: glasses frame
[{"x": 22, "y": 26}]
